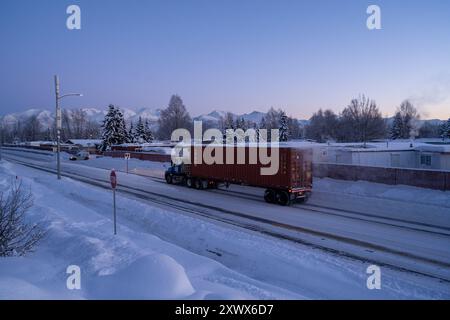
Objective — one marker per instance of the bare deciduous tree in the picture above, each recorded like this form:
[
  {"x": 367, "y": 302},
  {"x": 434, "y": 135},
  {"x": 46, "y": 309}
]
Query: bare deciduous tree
[
  {"x": 322, "y": 126},
  {"x": 175, "y": 116},
  {"x": 410, "y": 117},
  {"x": 32, "y": 128},
  {"x": 17, "y": 237},
  {"x": 79, "y": 122},
  {"x": 361, "y": 121}
]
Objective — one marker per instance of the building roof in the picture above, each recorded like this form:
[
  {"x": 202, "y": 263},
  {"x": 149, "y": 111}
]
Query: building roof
[{"x": 85, "y": 142}]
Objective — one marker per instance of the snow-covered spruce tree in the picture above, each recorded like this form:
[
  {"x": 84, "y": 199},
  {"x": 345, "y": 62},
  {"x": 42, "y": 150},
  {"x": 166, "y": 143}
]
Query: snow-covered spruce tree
[
  {"x": 243, "y": 124},
  {"x": 256, "y": 128},
  {"x": 140, "y": 131},
  {"x": 444, "y": 130},
  {"x": 284, "y": 129},
  {"x": 397, "y": 126},
  {"x": 148, "y": 134},
  {"x": 240, "y": 123},
  {"x": 113, "y": 128},
  {"x": 448, "y": 129},
  {"x": 16, "y": 236},
  {"x": 131, "y": 137},
  {"x": 262, "y": 125},
  {"x": 229, "y": 121}
]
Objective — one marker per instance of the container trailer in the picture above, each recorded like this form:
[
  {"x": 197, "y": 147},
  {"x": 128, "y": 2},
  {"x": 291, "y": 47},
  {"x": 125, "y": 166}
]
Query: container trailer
[{"x": 291, "y": 182}]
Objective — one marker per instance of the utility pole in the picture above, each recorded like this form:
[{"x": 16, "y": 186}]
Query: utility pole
[
  {"x": 58, "y": 129},
  {"x": 59, "y": 124},
  {"x": 1, "y": 139}
]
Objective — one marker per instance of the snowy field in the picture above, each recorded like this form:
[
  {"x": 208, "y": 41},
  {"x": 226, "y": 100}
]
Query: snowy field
[
  {"x": 161, "y": 253},
  {"x": 133, "y": 264}
]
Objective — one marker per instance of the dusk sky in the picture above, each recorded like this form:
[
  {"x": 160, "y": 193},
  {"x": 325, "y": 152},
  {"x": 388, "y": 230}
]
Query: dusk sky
[{"x": 235, "y": 55}]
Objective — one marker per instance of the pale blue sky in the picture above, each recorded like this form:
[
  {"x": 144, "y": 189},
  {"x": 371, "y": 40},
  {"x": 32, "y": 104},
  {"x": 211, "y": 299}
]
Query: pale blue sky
[{"x": 236, "y": 55}]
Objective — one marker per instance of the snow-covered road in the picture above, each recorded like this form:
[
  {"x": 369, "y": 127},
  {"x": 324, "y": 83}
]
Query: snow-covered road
[{"x": 379, "y": 228}]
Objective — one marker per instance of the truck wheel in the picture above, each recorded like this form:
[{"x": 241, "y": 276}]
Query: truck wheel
[
  {"x": 302, "y": 200},
  {"x": 283, "y": 198},
  {"x": 269, "y": 196},
  {"x": 204, "y": 184},
  {"x": 169, "y": 178},
  {"x": 189, "y": 182},
  {"x": 215, "y": 185}
]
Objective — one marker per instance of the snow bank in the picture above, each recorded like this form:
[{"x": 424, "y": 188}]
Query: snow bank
[{"x": 155, "y": 276}]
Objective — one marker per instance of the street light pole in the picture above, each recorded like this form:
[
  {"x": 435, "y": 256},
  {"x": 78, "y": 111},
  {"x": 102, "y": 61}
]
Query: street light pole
[
  {"x": 59, "y": 124},
  {"x": 1, "y": 139},
  {"x": 58, "y": 129}
]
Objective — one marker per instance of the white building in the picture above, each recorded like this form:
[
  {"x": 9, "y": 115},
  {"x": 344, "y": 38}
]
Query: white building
[{"x": 396, "y": 155}]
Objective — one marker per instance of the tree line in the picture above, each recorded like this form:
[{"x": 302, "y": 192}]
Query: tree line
[
  {"x": 360, "y": 121},
  {"x": 114, "y": 129},
  {"x": 75, "y": 125},
  {"x": 176, "y": 116}
]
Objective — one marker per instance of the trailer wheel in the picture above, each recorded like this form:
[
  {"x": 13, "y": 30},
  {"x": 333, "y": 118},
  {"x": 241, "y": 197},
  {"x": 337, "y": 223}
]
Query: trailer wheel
[
  {"x": 169, "y": 178},
  {"x": 204, "y": 184},
  {"x": 213, "y": 184},
  {"x": 302, "y": 199},
  {"x": 198, "y": 184},
  {"x": 269, "y": 196},
  {"x": 283, "y": 198},
  {"x": 189, "y": 182}
]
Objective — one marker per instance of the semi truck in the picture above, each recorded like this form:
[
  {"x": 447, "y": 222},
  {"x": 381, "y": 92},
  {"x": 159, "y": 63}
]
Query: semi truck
[{"x": 291, "y": 183}]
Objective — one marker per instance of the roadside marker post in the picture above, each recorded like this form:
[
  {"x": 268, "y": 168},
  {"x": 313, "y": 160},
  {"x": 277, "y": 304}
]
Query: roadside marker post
[
  {"x": 127, "y": 157},
  {"x": 113, "y": 180}
]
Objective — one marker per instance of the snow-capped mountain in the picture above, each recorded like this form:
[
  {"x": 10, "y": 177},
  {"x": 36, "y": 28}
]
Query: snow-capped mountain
[
  {"x": 145, "y": 113},
  {"x": 94, "y": 114},
  {"x": 47, "y": 117},
  {"x": 254, "y": 116},
  {"x": 216, "y": 115},
  {"x": 213, "y": 116}
]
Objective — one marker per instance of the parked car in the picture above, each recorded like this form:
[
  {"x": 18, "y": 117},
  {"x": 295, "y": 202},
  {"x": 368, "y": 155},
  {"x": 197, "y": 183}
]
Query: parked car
[{"x": 82, "y": 155}]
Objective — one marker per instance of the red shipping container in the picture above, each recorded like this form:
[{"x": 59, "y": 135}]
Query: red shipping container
[{"x": 294, "y": 174}]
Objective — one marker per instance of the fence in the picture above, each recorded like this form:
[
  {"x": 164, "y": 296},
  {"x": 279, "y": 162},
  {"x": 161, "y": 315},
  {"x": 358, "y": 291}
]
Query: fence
[
  {"x": 423, "y": 178},
  {"x": 158, "y": 157}
]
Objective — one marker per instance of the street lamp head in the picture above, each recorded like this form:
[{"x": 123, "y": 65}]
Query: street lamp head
[{"x": 70, "y": 95}]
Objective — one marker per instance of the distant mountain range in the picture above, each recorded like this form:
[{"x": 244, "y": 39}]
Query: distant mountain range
[
  {"x": 46, "y": 117},
  {"x": 214, "y": 116}
]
